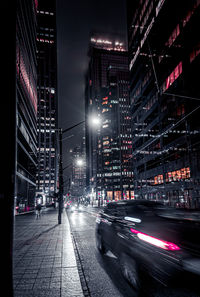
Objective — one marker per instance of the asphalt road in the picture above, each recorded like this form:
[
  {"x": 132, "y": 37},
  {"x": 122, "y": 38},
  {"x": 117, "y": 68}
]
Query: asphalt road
[{"x": 100, "y": 274}]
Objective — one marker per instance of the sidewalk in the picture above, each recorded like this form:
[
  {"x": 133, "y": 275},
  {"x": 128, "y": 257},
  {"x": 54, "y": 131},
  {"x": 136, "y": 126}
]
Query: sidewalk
[{"x": 44, "y": 260}]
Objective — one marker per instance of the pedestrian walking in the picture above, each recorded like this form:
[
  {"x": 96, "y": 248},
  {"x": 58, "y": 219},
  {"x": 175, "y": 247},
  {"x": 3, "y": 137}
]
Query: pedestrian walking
[{"x": 38, "y": 211}]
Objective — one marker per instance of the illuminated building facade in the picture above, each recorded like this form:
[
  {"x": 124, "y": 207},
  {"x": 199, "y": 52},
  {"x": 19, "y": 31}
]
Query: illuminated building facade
[
  {"x": 47, "y": 100},
  {"x": 164, "y": 61},
  {"x": 108, "y": 146},
  {"x": 26, "y": 92}
]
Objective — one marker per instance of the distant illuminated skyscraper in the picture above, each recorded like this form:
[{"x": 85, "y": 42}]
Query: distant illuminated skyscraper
[
  {"x": 108, "y": 147},
  {"x": 47, "y": 98}
]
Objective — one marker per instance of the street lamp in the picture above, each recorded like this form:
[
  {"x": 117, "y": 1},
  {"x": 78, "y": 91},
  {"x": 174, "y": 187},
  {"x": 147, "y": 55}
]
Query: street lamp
[
  {"x": 79, "y": 162},
  {"x": 60, "y": 198},
  {"x": 95, "y": 120}
]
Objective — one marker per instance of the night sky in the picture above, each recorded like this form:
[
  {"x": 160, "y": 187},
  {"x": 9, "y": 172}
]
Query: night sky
[{"x": 75, "y": 20}]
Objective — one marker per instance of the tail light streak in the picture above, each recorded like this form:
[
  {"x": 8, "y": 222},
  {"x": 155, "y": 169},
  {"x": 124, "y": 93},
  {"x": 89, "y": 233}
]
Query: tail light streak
[{"x": 155, "y": 241}]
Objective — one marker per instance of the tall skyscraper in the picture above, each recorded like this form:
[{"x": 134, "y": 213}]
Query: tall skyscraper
[
  {"x": 26, "y": 92},
  {"x": 164, "y": 61},
  {"x": 108, "y": 147},
  {"x": 47, "y": 99}
]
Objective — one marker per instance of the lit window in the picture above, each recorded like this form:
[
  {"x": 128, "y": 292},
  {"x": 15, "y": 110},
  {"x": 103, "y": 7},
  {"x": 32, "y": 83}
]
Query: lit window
[
  {"x": 173, "y": 36},
  {"x": 195, "y": 53},
  {"x": 173, "y": 76}
]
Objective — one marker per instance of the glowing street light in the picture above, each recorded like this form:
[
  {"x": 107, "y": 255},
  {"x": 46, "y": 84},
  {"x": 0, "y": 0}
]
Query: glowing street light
[
  {"x": 95, "y": 120},
  {"x": 79, "y": 162}
]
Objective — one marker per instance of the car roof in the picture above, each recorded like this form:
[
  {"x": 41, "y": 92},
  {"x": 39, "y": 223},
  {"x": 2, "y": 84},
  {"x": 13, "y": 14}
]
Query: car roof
[{"x": 144, "y": 202}]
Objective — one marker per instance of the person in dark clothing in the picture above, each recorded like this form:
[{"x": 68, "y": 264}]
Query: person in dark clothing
[{"x": 38, "y": 210}]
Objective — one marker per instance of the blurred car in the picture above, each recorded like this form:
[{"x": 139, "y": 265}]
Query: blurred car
[
  {"x": 76, "y": 207},
  {"x": 147, "y": 242},
  {"x": 73, "y": 207},
  {"x": 80, "y": 207}
]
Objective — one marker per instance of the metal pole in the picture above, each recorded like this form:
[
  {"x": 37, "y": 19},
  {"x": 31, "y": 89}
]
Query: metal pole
[{"x": 60, "y": 197}]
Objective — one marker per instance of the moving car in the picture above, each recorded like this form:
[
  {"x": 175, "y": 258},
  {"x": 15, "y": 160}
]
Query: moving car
[
  {"x": 148, "y": 241},
  {"x": 76, "y": 207},
  {"x": 80, "y": 207},
  {"x": 73, "y": 207}
]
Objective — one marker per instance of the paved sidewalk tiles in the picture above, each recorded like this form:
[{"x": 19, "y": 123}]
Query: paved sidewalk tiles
[{"x": 44, "y": 259}]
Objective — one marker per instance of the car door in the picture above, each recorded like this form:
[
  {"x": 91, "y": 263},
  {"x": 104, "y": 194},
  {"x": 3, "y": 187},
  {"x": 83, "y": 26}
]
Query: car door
[
  {"x": 107, "y": 220},
  {"x": 118, "y": 234}
]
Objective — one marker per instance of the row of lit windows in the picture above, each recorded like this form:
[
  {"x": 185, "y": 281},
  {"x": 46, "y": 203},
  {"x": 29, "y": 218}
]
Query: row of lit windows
[
  {"x": 125, "y": 135},
  {"x": 175, "y": 32},
  {"x": 173, "y": 36},
  {"x": 46, "y": 29},
  {"x": 47, "y": 119},
  {"x": 45, "y": 40},
  {"x": 141, "y": 85},
  {"x": 127, "y": 141},
  {"x": 111, "y": 174},
  {"x": 106, "y": 142},
  {"x": 150, "y": 103},
  {"x": 47, "y": 89},
  {"x": 105, "y": 126},
  {"x": 172, "y": 77},
  {"x": 43, "y": 124},
  {"x": 195, "y": 52},
  {"x": 105, "y": 110},
  {"x": 190, "y": 12},
  {"x": 126, "y": 147},
  {"x": 26, "y": 133},
  {"x": 47, "y": 35},
  {"x": 43, "y": 131},
  {"x": 27, "y": 78},
  {"x": 46, "y": 181},
  {"x": 45, "y": 12},
  {"x": 46, "y": 149},
  {"x": 146, "y": 16},
  {"x": 176, "y": 175}
]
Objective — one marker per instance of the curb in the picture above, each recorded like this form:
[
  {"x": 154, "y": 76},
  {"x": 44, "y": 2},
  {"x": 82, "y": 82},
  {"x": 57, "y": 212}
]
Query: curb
[{"x": 75, "y": 254}]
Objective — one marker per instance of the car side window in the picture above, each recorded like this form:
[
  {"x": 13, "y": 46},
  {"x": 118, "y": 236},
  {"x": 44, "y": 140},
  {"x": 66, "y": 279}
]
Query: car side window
[
  {"x": 133, "y": 210},
  {"x": 117, "y": 211},
  {"x": 113, "y": 210},
  {"x": 109, "y": 209}
]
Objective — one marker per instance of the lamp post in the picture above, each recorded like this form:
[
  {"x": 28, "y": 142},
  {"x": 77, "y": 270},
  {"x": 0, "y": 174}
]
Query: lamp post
[
  {"x": 60, "y": 197},
  {"x": 95, "y": 120}
]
